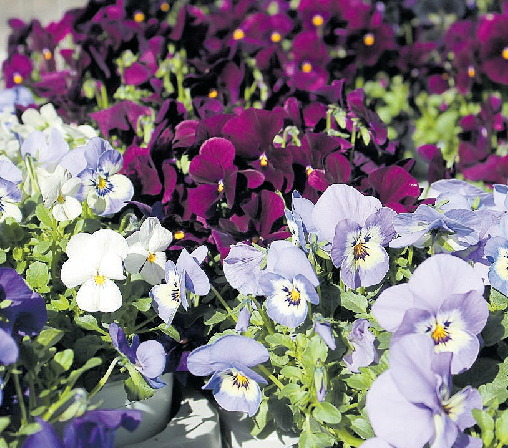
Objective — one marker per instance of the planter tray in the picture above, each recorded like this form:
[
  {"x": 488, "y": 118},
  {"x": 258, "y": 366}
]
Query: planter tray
[{"x": 196, "y": 425}]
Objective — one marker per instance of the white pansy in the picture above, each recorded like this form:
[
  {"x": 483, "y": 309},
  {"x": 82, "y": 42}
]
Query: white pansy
[
  {"x": 95, "y": 260},
  {"x": 146, "y": 251},
  {"x": 59, "y": 191}
]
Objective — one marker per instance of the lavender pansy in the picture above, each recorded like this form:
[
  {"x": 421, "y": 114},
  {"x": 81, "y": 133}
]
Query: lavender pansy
[
  {"x": 10, "y": 98},
  {"x": 186, "y": 274},
  {"x": 10, "y": 195},
  {"x": 364, "y": 352},
  {"x": 148, "y": 357},
  {"x": 496, "y": 251},
  {"x": 289, "y": 283},
  {"x": 443, "y": 300},
  {"x": 323, "y": 327},
  {"x": 229, "y": 360},
  {"x": 105, "y": 191},
  {"x": 46, "y": 151},
  {"x": 243, "y": 321},
  {"x": 453, "y": 230},
  {"x": 295, "y": 224},
  {"x": 411, "y": 403},
  {"x": 242, "y": 268}
]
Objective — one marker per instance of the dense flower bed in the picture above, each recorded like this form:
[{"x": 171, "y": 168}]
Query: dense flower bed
[{"x": 236, "y": 189}]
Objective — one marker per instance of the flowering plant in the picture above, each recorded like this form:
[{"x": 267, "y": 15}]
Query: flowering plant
[{"x": 238, "y": 207}]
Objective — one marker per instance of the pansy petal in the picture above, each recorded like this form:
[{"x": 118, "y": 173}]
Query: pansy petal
[
  {"x": 166, "y": 301},
  {"x": 196, "y": 280},
  {"x": 391, "y": 305},
  {"x": 241, "y": 349},
  {"x": 199, "y": 361},
  {"x": 151, "y": 358}
]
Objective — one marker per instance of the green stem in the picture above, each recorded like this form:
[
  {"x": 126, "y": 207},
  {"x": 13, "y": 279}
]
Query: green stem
[
  {"x": 264, "y": 316},
  {"x": 19, "y": 393},
  {"x": 224, "y": 304},
  {"x": 270, "y": 375},
  {"x": 353, "y": 143},
  {"x": 142, "y": 324},
  {"x": 105, "y": 378}
]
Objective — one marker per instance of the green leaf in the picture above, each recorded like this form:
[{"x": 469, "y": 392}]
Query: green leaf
[
  {"x": 3, "y": 257},
  {"x": 62, "y": 361},
  {"x": 48, "y": 337},
  {"x": 292, "y": 372},
  {"x": 260, "y": 419},
  {"x": 136, "y": 386},
  {"x": 315, "y": 352},
  {"x": 364, "y": 132},
  {"x": 216, "y": 318},
  {"x": 502, "y": 428},
  {"x": 143, "y": 304},
  {"x": 309, "y": 439},
  {"x": 88, "y": 322},
  {"x": 37, "y": 275},
  {"x": 171, "y": 331},
  {"x": 486, "y": 424},
  {"x": 294, "y": 392},
  {"x": 353, "y": 302},
  {"x": 360, "y": 381},
  {"x": 44, "y": 215},
  {"x": 278, "y": 339},
  {"x": 362, "y": 427},
  {"x": 498, "y": 301},
  {"x": 327, "y": 413},
  {"x": 88, "y": 346},
  {"x": 496, "y": 328},
  {"x": 30, "y": 428},
  {"x": 4, "y": 422}
]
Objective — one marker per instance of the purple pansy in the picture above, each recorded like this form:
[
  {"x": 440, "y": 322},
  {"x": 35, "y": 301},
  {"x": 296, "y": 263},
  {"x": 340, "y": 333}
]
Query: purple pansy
[
  {"x": 94, "y": 429},
  {"x": 229, "y": 360},
  {"x": 494, "y": 46},
  {"x": 443, "y": 300},
  {"x": 411, "y": 403},
  {"x": 26, "y": 313},
  {"x": 148, "y": 357},
  {"x": 364, "y": 352},
  {"x": 106, "y": 191},
  {"x": 289, "y": 283},
  {"x": 214, "y": 172},
  {"x": 186, "y": 274}
]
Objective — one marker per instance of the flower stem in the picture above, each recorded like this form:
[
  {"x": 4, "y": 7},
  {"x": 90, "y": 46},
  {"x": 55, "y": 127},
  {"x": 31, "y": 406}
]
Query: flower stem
[
  {"x": 105, "y": 378},
  {"x": 264, "y": 316},
  {"x": 270, "y": 375},
  {"x": 19, "y": 393},
  {"x": 224, "y": 304}
]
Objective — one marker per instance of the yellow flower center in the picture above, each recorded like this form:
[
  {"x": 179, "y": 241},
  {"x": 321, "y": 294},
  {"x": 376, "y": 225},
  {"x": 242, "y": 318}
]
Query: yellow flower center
[
  {"x": 102, "y": 183},
  {"x": 179, "y": 235},
  {"x": 309, "y": 170},
  {"x": 99, "y": 279},
  {"x": 471, "y": 71},
  {"x": 263, "y": 160},
  {"x": 275, "y": 37},
  {"x": 295, "y": 295},
  {"x": 238, "y": 34},
  {"x": 240, "y": 380},
  {"x": 306, "y": 67},
  {"x": 47, "y": 54},
  {"x": 139, "y": 17},
  {"x": 445, "y": 76},
  {"x": 17, "y": 78},
  {"x": 164, "y": 7},
  {"x": 213, "y": 93},
  {"x": 369, "y": 39},
  {"x": 60, "y": 199},
  {"x": 151, "y": 258},
  {"x": 505, "y": 53},
  {"x": 317, "y": 20},
  {"x": 220, "y": 186},
  {"x": 439, "y": 334}
]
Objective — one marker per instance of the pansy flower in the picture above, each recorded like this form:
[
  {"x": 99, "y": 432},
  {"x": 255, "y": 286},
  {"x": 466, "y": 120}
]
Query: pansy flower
[
  {"x": 229, "y": 360},
  {"x": 358, "y": 228},
  {"x": 411, "y": 404},
  {"x": 494, "y": 46},
  {"x": 443, "y": 300},
  {"x": 148, "y": 357},
  {"x": 289, "y": 283},
  {"x": 214, "y": 172},
  {"x": 146, "y": 254},
  {"x": 10, "y": 194},
  {"x": 363, "y": 352},
  {"x": 185, "y": 274},
  {"x": 242, "y": 268},
  {"x": 96, "y": 428},
  {"x": 496, "y": 250},
  {"x": 105, "y": 191},
  {"x": 95, "y": 260},
  {"x": 59, "y": 190}
]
